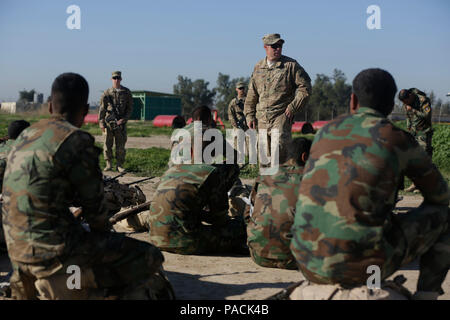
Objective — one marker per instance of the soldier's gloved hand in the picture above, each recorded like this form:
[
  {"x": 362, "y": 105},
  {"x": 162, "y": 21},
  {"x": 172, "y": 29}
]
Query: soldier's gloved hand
[{"x": 289, "y": 114}]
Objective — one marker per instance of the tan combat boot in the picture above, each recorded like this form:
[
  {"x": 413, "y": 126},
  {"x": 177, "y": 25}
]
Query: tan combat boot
[
  {"x": 120, "y": 168},
  {"x": 108, "y": 166}
]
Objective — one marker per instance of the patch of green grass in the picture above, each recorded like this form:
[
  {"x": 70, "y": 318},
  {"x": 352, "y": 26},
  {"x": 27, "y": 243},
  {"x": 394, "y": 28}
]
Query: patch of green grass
[
  {"x": 134, "y": 129},
  {"x": 144, "y": 162},
  {"x": 153, "y": 162}
]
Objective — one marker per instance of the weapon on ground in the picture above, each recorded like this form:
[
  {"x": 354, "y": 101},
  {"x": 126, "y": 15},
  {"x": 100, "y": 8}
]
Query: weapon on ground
[
  {"x": 285, "y": 293},
  {"x": 114, "y": 178},
  {"x": 142, "y": 180},
  {"x": 129, "y": 212}
]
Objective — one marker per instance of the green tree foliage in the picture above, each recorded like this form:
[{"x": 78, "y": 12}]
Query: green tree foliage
[
  {"x": 193, "y": 93},
  {"x": 26, "y": 96},
  {"x": 330, "y": 97},
  {"x": 226, "y": 91}
]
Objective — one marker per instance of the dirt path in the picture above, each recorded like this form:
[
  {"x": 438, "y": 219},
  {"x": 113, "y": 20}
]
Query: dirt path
[{"x": 235, "y": 277}]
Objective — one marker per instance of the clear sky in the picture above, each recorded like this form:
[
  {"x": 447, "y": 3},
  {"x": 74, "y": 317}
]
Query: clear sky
[{"x": 152, "y": 42}]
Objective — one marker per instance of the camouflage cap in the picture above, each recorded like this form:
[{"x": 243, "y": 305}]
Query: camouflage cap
[
  {"x": 272, "y": 38},
  {"x": 240, "y": 84},
  {"x": 117, "y": 74}
]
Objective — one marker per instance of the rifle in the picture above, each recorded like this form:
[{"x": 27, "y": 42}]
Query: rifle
[
  {"x": 285, "y": 293},
  {"x": 142, "y": 180},
  {"x": 129, "y": 212},
  {"x": 111, "y": 119},
  {"x": 109, "y": 179}
]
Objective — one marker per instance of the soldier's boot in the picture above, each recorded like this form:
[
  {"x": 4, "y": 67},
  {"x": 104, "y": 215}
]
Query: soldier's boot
[
  {"x": 411, "y": 188},
  {"x": 108, "y": 166},
  {"x": 120, "y": 168}
]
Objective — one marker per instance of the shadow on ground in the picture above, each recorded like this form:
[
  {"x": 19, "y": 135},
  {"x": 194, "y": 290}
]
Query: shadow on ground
[{"x": 196, "y": 287}]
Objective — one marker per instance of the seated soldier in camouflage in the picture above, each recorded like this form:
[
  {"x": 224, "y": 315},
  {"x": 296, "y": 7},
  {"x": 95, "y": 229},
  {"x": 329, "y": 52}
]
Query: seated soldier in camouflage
[
  {"x": 202, "y": 114},
  {"x": 14, "y": 129},
  {"x": 274, "y": 198},
  {"x": 189, "y": 211},
  {"x": 51, "y": 164},
  {"x": 344, "y": 221}
]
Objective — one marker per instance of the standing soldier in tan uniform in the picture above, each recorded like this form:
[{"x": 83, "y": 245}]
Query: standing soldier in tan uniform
[
  {"x": 236, "y": 108},
  {"x": 279, "y": 88},
  {"x": 116, "y": 105}
]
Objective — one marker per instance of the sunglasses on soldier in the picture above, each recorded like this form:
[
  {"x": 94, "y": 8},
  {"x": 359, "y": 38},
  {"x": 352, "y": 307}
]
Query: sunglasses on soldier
[
  {"x": 276, "y": 45},
  {"x": 116, "y": 78}
]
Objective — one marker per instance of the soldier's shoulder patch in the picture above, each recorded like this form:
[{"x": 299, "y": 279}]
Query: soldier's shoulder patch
[{"x": 427, "y": 108}]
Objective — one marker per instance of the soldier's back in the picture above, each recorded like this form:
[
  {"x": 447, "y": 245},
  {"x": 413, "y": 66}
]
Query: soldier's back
[
  {"x": 347, "y": 193},
  {"x": 37, "y": 193}
]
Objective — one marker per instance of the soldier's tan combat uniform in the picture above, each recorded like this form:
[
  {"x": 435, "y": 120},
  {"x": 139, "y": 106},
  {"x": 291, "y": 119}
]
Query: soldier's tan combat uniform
[
  {"x": 115, "y": 104},
  {"x": 236, "y": 111},
  {"x": 273, "y": 89}
]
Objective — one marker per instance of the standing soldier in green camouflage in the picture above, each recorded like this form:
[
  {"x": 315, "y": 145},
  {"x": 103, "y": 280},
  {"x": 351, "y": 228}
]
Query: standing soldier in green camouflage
[
  {"x": 418, "y": 119},
  {"x": 344, "y": 221},
  {"x": 189, "y": 195},
  {"x": 279, "y": 88},
  {"x": 14, "y": 129},
  {"x": 51, "y": 166},
  {"x": 116, "y": 105},
  {"x": 274, "y": 198},
  {"x": 236, "y": 108}
]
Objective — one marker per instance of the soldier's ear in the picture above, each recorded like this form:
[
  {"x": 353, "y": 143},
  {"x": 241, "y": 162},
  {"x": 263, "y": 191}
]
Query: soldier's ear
[
  {"x": 304, "y": 157},
  {"x": 354, "y": 103}
]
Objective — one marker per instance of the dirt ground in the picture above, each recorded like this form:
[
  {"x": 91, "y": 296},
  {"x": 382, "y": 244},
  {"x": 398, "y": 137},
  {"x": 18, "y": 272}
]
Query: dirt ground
[
  {"x": 238, "y": 277},
  {"x": 231, "y": 277},
  {"x": 143, "y": 142}
]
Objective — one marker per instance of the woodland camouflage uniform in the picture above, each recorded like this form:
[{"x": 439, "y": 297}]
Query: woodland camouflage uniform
[
  {"x": 5, "y": 147},
  {"x": 177, "y": 211},
  {"x": 344, "y": 220},
  {"x": 418, "y": 120},
  {"x": 269, "y": 227},
  {"x": 52, "y": 166}
]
